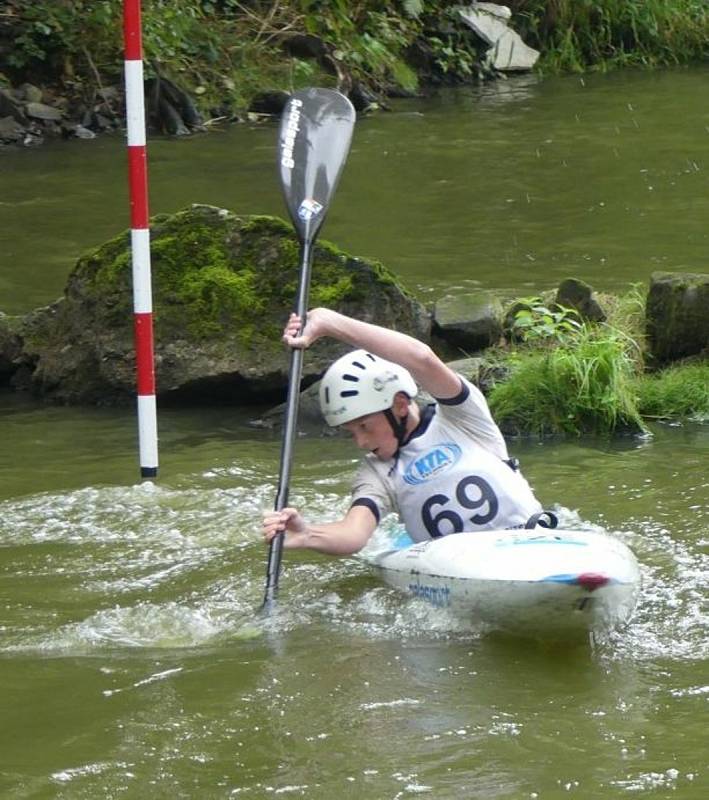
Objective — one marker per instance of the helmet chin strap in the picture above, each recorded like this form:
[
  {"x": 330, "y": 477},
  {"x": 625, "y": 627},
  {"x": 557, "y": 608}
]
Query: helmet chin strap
[{"x": 398, "y": 426}]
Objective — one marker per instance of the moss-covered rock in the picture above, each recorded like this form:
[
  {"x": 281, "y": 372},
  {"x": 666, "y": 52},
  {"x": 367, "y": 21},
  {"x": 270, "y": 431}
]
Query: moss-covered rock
[{"x": 222, "y": 288}]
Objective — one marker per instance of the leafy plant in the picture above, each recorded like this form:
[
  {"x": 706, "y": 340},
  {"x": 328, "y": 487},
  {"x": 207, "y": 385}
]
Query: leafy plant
[
  {"x": 413, "y": 8},
  {"x": 454, "y": 52},
  {"x": 535, "y": 321},
  {"x": 63, "y": 37},
  {"x": 449, "y": 58},
  {"x": 368, "y": 38}
]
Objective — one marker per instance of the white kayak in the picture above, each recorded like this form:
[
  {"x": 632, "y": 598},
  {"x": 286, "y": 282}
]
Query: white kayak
[{"x": 539, "y": 582}]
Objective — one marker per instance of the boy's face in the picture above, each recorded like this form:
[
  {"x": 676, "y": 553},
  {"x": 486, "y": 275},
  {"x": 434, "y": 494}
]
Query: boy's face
[{"x": 373, "y": 433}]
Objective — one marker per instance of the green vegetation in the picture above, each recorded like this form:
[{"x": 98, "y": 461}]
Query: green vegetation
[
  {"x": 210, "y": 48},
  {"x": 224, "y": 51},
  {"x": 574, "y": 35},
  {"x": 534, "y": 321},
  {"x": 216, "y": 274},
  {"x": 679, "y": 391},
  {"x": 584, "y": 384},
  {"x": 570, "y": 377}
]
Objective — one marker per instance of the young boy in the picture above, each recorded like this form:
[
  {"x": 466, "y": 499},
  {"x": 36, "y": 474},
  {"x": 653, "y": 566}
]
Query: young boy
[{"x": 443, "y": 470}]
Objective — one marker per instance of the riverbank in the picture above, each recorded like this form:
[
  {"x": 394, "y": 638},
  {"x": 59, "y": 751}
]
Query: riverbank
[{"x": 61, "y": 65}]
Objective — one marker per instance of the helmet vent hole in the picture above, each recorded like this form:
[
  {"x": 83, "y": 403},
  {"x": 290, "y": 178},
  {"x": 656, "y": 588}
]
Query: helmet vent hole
[
  {"x": 371, "y": 357},
  {"x": 349, "y": 393},
  {"x": 327, "y": 394},
  {"x": 358, "y": 364},
  {"x": 351, "y": 378}
]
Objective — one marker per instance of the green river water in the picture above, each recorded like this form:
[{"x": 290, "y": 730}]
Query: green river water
[{"x": 131, "y": 661}]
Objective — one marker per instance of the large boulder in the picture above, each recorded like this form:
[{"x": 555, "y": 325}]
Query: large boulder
[
  {"x": 223, "y": 286},
  {"x": 677, "y": 315},
  {"x": 10, "y": 347},
  {"x": 471, "y": 321}
]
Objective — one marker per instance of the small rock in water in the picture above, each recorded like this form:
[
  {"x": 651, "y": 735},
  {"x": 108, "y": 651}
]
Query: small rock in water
[
  {"x": 83, "y": 133},
  {"x": 10, "y": 129},
  {"x": 32, "y": 139}
]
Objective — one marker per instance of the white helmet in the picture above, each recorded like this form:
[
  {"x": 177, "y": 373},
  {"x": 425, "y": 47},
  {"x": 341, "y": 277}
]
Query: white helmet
[{"x": 361, "y": 383}]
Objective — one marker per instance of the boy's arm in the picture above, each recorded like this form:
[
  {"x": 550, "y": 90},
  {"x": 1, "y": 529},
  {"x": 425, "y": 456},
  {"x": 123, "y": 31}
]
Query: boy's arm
[
  {"x": 428, "y": 370},
  {"x": 341, "y": 538}
]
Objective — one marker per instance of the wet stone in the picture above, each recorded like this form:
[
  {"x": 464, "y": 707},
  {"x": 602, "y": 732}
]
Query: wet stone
[
  {"x": 43, "y": 112},
  {"x": 11, "y": 130}
]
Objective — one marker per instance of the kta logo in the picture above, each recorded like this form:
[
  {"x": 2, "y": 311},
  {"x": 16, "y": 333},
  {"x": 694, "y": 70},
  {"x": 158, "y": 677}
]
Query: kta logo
[{"x": 431, "y": 464}]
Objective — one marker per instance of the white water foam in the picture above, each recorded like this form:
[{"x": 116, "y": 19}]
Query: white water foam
[{"x": 148, "y": 566}]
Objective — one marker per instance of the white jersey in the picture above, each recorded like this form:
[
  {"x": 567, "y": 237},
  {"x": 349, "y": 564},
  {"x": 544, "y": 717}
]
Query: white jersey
[{"x": 451, "y": 475}]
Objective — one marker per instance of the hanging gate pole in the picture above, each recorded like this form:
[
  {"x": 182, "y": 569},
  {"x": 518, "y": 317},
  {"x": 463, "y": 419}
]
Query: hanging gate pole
[{"x": 140, "y": 240}]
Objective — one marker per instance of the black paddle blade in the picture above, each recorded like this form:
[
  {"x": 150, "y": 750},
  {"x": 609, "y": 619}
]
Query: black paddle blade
[{"x": 315, "y": 135}]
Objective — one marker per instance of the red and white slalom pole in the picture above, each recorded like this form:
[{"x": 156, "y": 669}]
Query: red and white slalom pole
[{"x": 140, "y": 240}]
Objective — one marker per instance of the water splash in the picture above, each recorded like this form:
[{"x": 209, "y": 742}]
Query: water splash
[{"x": 157, "y": 567}]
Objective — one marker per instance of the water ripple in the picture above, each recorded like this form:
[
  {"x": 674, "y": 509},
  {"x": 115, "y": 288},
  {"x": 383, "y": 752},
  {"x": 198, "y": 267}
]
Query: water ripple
[{"x": 154, "y": 567}]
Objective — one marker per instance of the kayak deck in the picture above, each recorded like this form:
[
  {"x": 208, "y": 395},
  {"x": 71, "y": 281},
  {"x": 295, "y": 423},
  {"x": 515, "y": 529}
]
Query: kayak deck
[{"x": 536, "y": 582}]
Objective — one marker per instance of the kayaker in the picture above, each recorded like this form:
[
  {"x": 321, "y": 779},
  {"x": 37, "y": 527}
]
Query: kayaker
[{"x": 444, "y": 468}]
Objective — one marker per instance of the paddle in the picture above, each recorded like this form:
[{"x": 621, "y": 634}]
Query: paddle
[{"x": 314, "y": 139}]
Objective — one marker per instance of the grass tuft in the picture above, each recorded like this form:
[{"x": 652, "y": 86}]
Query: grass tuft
[
  {"x": 585, "y": 385},
  {"x": 574, "y": 35},
  {"x": 681, "y": 391}
]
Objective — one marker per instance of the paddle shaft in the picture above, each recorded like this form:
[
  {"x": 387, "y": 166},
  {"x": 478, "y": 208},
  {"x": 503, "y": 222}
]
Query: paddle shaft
[
  {"x": 275, "y": 550},
  {"x": 314, "y": 139}
]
